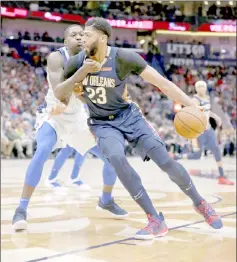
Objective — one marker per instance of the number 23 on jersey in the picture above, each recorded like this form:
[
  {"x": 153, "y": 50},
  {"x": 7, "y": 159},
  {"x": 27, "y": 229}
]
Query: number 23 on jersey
[{"x": 98, "y": 95}]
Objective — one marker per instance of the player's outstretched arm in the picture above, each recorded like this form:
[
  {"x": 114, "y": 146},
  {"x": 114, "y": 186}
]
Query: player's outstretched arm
[
  {"x": 167, "y": 87},
  {"x": 216, "y": 117}
]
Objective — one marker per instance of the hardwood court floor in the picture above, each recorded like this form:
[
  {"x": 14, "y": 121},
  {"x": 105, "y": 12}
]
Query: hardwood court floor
[{"x": 67, "y": 227}]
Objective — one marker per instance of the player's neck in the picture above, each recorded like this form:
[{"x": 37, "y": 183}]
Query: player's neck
[
  {"x": 101, "y": 56},
  {"x": 202, "y": 96},
  {"x": 71, "y": 52}
]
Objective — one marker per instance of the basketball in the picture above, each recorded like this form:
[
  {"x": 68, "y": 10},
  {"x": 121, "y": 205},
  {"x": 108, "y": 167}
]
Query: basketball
[{"x": 190, "y": 122}]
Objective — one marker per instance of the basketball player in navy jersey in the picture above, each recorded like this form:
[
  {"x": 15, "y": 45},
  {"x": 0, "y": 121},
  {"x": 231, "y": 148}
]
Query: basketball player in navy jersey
[
  {"x": 114, "y": 119},
  {"x": 208, "y": 139},
  {"x": 59, "y": 125}
]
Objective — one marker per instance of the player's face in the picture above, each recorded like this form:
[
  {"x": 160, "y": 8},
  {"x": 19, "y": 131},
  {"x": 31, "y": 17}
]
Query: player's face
[
  {"x": 92, "y": 39},
  {"x": 74, "y": 39}
]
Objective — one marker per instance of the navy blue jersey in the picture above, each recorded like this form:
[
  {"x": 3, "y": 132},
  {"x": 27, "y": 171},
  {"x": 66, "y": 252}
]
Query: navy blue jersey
[{"x": 105, "y": 92}]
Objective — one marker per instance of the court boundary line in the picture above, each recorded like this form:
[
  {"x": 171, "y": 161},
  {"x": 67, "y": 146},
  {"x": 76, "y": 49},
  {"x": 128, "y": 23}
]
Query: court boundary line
[{"x": 114, "y": 242}]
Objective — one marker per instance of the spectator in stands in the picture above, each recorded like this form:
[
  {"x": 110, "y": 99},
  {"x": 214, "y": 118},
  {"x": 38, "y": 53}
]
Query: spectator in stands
[
  {"x": 19, "y": 35},
  {"x": 14, "y": 138},
  {"x": 178, "y": 15},
  {"x": 117, "y": 42},
  {"x": 212, "y": 11},
  {"x": 27, "y": 36},
  {"x": 6, "y": 144},
  {"x": 37, "y": 37},
  {"x": 46, "y": 37}
]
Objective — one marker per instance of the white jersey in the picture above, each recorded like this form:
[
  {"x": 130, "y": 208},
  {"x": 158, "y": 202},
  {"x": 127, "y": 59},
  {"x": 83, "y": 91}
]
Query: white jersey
[
  {"x": 74, "y": 107},
  {"x": 71, "y": 125},
  {"x": 206, "y": 104}
]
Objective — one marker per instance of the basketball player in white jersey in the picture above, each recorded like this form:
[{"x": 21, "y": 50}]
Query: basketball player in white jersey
[
  {"x": 59, "y": 125},
  {"x": 208, "y": 139}
]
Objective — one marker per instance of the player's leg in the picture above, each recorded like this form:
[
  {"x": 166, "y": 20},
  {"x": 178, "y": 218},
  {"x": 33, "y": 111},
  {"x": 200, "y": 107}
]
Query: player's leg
[
  {"x": 132, "y": 182},
  {"x": 106, "y": 202},
  {"x": 75, "y": 179},
  {"x": 194, "y": 155},
  {"x": 129, "y": 178},
  {"x": 156, "y": 151},
  {"x": 213, "y": 146},
  {"x": 59, "y": 161},
  {"x": 149, "y": 145},
  {"x": 46, "y": 139},
  {"x": 197, "y": 154}
]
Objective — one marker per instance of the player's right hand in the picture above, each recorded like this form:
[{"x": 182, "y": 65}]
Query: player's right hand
[
  {"x": 91, "y": 66},
  {"x": 201, "y": 108}
]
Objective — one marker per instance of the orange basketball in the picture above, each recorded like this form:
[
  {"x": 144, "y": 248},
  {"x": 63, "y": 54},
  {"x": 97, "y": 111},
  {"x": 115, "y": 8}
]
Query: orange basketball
[{"x": 190, "y": 122}]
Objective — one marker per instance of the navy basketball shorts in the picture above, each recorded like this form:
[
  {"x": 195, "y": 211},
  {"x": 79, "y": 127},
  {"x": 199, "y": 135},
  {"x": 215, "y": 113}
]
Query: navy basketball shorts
[{"x": 128, "y": 125}]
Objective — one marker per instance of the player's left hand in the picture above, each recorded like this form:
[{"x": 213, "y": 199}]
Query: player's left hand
[
  {"x": 194, "y": 104},
  {"x": 57, "y": 109},
  {"x": 201, "y": 108},
  {"x": 78, "y": 90}
]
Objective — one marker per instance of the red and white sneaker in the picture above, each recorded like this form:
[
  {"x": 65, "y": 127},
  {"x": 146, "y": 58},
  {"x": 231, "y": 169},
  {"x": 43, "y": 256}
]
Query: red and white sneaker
[
  {"x": 224, "y": 181},
  {"x": 156, "y": 228},
  {"x": 209, "y": 214}
]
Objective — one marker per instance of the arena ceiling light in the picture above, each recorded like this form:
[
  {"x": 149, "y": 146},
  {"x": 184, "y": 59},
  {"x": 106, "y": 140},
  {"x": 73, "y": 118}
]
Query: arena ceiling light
[
  {"x": 230, "y": 2},
  {"x": 171, "y": 2},
  {"x": 205, "y": 2},
  {"x": 218, "y": 2}
]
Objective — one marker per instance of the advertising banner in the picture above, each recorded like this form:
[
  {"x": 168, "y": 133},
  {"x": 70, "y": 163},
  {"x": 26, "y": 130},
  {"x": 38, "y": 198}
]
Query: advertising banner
[
  {"x": 184, "y": 50},
  {"x": 189, "y": 62}
]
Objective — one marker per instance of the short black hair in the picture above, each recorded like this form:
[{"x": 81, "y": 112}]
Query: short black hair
[
  {"x": 100, "y": 24},
  {"x": 66, "y": 31}
]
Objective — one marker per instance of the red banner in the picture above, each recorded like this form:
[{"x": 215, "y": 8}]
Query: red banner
[
  {"x": 14, "y": 12},
  {"x": 57, "y": 17},
  {"x": 145, "y": 24},
  {"x": 171, "y": 26},
  {"x": 219, "y": 28}
]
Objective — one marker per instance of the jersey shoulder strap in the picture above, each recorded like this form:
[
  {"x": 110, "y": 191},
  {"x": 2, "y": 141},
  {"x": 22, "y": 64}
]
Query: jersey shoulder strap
[
  {"x": 198, "y": 98},
  {"x": 113, "y": 51},
  {"x": 63, "y": 51}
]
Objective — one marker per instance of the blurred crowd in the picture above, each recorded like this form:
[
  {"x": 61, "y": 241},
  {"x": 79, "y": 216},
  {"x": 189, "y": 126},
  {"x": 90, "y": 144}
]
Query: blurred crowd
[
  {"x": 220, "y": 12},
  {"x": 153, "y": 10},
  {"x": 24, "y": 87},
  {"x": 45, "y": 37},
  {"x": 21, "y": 93},
  {"x": 37, "y": 37}
]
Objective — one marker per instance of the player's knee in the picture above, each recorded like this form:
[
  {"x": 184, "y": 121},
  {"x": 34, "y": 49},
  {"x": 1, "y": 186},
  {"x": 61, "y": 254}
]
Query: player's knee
[
  {"x": 166, "y": 165},
  {"x": 118, "y": 160},
  {"x": 44, "y": 150},
  {"x": 110, "y": 146},
  {"x": 159, "y": 155}
]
